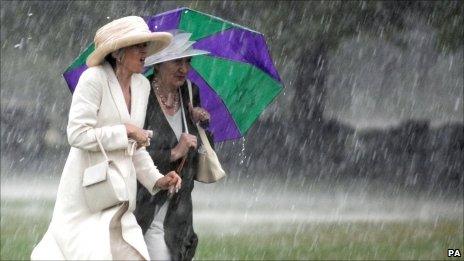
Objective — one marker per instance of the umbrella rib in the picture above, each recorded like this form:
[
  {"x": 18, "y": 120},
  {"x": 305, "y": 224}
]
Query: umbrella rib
[
  {"x": 222, "y": 20},
  {"x": 220, "y": 99},
  {"x": 222, "y": 31},
  {"x": 235, "y": 61}
]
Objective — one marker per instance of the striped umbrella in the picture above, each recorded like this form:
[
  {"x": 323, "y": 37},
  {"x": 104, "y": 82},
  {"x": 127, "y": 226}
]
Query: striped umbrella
[{"x": 237, "y": 80}]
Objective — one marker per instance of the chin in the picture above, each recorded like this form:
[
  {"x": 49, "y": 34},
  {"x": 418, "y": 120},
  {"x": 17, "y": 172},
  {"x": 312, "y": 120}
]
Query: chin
[
  {"x": 180, "y": 83},
  {"x": 138, "y": 70}
]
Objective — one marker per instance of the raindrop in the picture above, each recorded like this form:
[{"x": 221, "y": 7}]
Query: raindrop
[
  {"x": 456, "y": 104},
  {"x": 21, "y": 44},
  {"x": 242, "y": 152}
]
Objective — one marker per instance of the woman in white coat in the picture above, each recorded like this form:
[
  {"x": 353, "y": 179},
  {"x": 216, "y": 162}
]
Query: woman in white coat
[{"x": 110, "y": 102}]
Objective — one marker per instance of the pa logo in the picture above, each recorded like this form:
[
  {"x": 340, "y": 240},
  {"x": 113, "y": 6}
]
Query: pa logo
[{"x": 454, "y": 253}]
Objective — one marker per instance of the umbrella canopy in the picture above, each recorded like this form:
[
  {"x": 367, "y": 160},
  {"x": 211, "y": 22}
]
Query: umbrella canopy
[{"x": 237, "y": 80}]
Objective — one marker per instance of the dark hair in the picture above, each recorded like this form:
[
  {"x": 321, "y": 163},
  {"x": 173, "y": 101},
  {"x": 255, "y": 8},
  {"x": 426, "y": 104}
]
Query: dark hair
[
  {"x": 155, "y": 70},
  {"x": 110, "y": 59}
]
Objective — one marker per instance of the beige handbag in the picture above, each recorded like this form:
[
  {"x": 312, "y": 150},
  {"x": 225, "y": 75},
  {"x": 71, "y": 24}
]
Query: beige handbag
[
  {"x": 209, "y": 167},
  {"x": 104, "y": 184}
]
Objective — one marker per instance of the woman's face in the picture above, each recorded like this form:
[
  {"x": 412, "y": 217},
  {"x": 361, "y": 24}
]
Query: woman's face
[
  {"x": 174, "y": 73},
  {"x": 134, "y": 57}
]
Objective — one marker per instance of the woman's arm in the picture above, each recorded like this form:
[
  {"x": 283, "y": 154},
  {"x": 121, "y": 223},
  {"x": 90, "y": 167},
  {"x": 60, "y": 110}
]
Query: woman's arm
[
  {"x": 146, "y": 171},
  {"x": 163, "y": 156},
  {"x": 85, "y": 105}
]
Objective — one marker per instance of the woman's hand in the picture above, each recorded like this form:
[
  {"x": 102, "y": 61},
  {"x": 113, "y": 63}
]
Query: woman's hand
[
  {"x": 141, "y": 136},
  {"x": 198, "y": 114},
  {"x": 170, "y": 180},
  {"x": 186, "y": 142}
]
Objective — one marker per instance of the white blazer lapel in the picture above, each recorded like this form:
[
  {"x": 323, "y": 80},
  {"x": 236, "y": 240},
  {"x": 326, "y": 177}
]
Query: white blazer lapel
[
  {"x": 116, "y": 93},
  {"x": 135, "y": 96}
]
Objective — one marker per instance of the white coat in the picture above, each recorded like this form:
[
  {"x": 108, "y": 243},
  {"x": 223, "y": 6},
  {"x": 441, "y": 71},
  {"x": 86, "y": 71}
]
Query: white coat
[{"x": 98, "y": 107}]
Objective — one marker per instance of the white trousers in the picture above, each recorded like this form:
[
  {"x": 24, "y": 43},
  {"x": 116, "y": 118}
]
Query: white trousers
[{"x": 154, "y": 237}]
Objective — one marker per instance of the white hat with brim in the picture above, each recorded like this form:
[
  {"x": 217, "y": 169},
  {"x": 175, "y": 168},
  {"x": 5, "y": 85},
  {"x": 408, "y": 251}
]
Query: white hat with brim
[
  {"x": 124, "y": 32},
  {"x": 180, "y": 47}
]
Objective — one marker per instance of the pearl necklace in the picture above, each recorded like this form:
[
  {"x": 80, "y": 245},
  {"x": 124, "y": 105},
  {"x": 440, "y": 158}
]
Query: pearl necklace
[{"x": 165, "y": 98}]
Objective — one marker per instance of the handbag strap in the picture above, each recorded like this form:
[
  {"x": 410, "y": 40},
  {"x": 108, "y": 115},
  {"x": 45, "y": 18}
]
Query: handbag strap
[
  {"x": 101, "y": 146},
  {"x": 189, "y": 85},
  {"x": 183, "y": 112},
  {"x": 184, "y": 158},
  {"x": 201, "y": 131},
  {"x": 204, "y": 139}
]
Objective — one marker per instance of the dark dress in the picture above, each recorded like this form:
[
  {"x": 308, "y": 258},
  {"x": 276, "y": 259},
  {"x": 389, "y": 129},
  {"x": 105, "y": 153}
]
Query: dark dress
[{"x": 178, "y": 230}]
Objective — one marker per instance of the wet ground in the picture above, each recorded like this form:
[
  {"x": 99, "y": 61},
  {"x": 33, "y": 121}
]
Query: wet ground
[
  {"x": 245, "y": 218},
  {"x": 247, "y": 201}
]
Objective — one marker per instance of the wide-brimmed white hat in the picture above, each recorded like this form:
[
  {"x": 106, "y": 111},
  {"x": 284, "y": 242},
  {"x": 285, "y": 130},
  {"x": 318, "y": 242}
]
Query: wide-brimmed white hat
[
  {"x": 124, "y": 32},
  {"x": 180, "y": 47}
]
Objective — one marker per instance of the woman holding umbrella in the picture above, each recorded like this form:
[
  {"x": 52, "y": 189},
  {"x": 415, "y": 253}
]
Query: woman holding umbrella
[
  {"x": 107, "y": 113},
  {"x": 166, "y": 220}
]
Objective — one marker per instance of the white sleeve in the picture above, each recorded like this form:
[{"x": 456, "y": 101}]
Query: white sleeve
[
  {"x": 146, "y": 171},
  {"x": 85, "y": 105}
]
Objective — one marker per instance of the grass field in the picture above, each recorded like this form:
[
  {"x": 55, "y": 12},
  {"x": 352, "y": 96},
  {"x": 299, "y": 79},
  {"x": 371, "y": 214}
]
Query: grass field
[
  {"x": 23, "y": 223},
  {"x": 344, "y": 241}
]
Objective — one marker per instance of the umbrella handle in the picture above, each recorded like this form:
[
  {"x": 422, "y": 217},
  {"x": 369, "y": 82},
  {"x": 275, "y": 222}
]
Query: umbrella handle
[
  {"x": 181, "y": 165},
  {"x": 179, "y": 168}
]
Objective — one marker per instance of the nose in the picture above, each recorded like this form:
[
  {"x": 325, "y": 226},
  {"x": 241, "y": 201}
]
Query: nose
[
  {"x": 184, "y": 67},
  {"x": 142, "y": 48}
]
